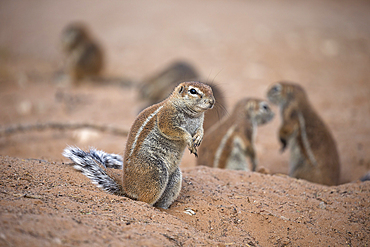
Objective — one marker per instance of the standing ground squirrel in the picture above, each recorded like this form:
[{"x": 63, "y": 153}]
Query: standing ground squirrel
[
  {"x": 229, "y": 143},
  {"x": 313, "y": 152},
  {"x": 159, "y": 86},
  {"x": 154, "y": 148},
  {"x": 84, "y": 56}
]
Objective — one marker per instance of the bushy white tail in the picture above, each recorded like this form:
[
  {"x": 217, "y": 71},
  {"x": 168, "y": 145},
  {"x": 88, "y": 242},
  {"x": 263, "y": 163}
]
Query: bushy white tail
[{"x": 87, "y": 163}]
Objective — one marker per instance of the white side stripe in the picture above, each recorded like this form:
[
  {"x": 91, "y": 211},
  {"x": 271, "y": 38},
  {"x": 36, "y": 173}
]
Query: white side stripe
[
  {"x": 222, "y": 145},
  {"x": 142, "y": 127},
  {"x": 305, "y": 140}
]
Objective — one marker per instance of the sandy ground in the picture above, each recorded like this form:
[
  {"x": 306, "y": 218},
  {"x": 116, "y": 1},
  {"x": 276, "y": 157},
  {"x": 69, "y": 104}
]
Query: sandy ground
[{"x": 243, "y": 46}]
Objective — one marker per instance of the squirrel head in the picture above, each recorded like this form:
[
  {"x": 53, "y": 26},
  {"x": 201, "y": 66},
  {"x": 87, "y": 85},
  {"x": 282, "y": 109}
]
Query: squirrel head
[
  {"x": 260, "y": 111},
  {"x": 256, "y": 110},
  {"x": 194, "y": 97},
  {"x": 284, "y": 92},
  {"x": 74, "y": 35}
]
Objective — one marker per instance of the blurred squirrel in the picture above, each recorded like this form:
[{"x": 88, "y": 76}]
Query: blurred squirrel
[
  {"x": 313, "y": 151},
  {"x": 156, "y": 88},
  {"x": 230, "y": 143},
  {"x": 84, "y": 56}
]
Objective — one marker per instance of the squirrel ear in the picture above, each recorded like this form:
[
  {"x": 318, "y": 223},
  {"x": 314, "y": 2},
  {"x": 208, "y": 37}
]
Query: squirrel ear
[
  {"x": 249, "y": 106},
  {"x": 181, "y": 89}
]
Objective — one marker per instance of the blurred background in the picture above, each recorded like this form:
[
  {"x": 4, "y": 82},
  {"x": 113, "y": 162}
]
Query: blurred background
[{"x": 241, "y": 46}]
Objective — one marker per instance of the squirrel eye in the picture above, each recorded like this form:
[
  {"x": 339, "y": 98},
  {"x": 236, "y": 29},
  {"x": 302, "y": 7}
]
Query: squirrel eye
[
  {"x": 275, "y": 88},
  {"x": 265, "y": 107},
  {"x": 193, "y": 91}
]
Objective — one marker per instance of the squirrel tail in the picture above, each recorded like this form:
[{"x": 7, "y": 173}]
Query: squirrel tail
[{"x": 87, "y": 163}]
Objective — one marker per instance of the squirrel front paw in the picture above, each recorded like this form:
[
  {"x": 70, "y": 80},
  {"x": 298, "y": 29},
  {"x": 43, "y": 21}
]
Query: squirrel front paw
[
  {"x": 193, "y": 150},
  {"x": 283, "y": 142},
  {"x": 285, "y": 133},
  {"x": 195, "y": 142},
  {"x": 197, "y": 138}
]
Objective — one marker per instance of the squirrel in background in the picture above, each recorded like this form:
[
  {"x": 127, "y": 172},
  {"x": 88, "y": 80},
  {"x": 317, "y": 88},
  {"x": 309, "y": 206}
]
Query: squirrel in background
[
  {"x": 157, "y": 87},
  {"x": 84, "y": 56},
  {"x": 313, "y": 151},
  {"x": 229, "y": 144}
]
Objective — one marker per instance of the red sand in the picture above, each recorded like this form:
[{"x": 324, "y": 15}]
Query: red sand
[{"x": 243, "y": 46}]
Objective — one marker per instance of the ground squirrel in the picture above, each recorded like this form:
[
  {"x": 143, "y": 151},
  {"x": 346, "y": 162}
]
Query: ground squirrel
[
  {"x": 156, "y": 88},
  {"x": 84, "y": 56},
  {"x": 313, "y": 152},
  {"x": 229, "y": 143},
  {"x": 154, "y": 148}
]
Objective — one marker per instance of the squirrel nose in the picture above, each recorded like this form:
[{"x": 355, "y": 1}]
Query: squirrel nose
[{"x": 212, "y": 102}]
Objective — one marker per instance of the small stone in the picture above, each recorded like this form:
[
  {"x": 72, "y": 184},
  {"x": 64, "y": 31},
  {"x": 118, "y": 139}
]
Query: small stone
[
  {"x": 322, "y": 205},
  {"x": 189, "y": 211},
  {"x": 57, "y": 241}
]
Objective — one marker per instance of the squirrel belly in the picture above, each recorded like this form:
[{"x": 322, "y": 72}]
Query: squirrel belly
[{"x": 154, "y": 148}]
